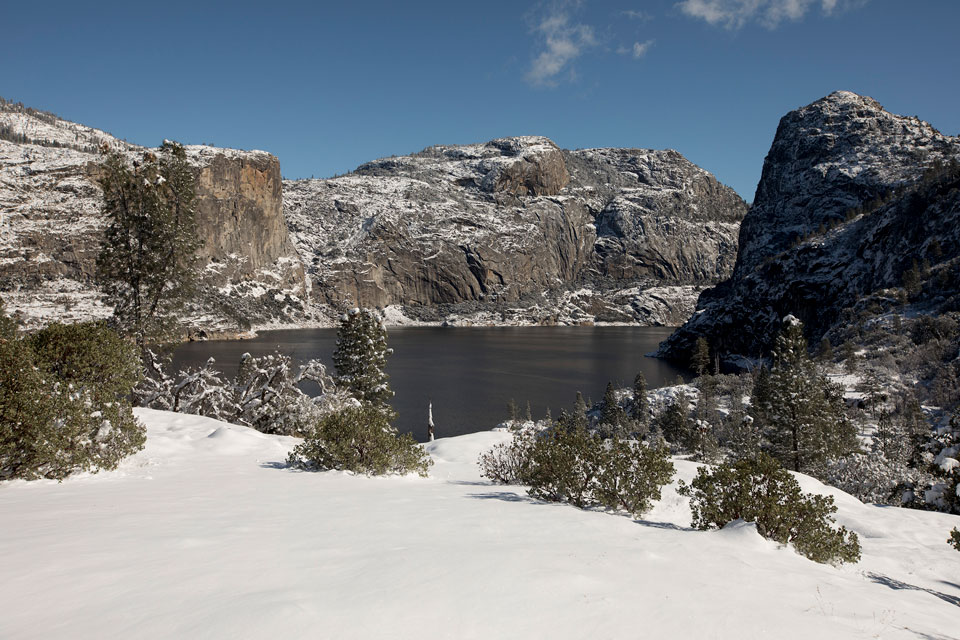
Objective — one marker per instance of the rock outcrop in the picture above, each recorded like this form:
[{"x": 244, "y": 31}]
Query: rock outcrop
[
  {"x": 850, "y": 196},
  {"x": 52, "y": 226},
  {"x": 516, "y": 222}
]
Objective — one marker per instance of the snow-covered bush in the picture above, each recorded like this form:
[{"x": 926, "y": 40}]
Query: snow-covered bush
[
  {"x": 64, "y": 400},
  {"x": 362, "y": 440},
  {"x": 566, "y": 462},
  {"x": 265, "y": 394},
  {"x": 871, "y": 477},
  {"x": 940, "y": 458},
  {"x": 763, "y": 492}
]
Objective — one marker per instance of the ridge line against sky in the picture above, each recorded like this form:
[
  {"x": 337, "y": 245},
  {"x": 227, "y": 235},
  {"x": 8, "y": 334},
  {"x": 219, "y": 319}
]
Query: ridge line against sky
[{"x": 329, "y": 87}]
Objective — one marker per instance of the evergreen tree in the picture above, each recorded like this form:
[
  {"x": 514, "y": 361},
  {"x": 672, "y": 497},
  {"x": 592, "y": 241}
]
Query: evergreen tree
[
  {"x": 528, "y": 414},
  {"x": 640, "y": 409},
  {"x": 613, "y": 419},
  {"x": 147, "y": 262},
  {"x": 579, "y": 417},
  {"x": 674, "y": 422},
  {"x": 361, "y": 357},
  {"x": 803, "y": 414},
  {"x": 701, "y": 356},
  {"x": 512, "y": 411}
]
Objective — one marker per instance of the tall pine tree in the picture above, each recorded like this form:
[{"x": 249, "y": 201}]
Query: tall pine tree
[
  {"x": 801, "y": 411},
  {"x": 361, "y": 357},
  {"x": 147, "y": 261}
]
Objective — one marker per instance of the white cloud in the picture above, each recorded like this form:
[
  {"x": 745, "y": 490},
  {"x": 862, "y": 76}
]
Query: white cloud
[
  {"x": 562, "y": 43},
  {"x": 734, "y": 14},
  {"x": 638, "y": 50},
  {"x": 637, "y": 15}
]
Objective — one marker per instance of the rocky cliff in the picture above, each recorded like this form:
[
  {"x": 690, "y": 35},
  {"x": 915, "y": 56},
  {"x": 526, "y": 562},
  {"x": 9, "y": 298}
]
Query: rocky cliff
[
  {"x": 518, "y": 228},
  {"x": 51, "y": 227},
  {"x": 850, "y": 196}
]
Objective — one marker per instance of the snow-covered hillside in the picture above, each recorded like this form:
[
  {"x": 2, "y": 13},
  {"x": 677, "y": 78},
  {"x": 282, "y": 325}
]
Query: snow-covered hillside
[
  {"x": 484, "y": 230},
  {"x": 51, "y": 227},
  {"x": 206, "y": 534}
]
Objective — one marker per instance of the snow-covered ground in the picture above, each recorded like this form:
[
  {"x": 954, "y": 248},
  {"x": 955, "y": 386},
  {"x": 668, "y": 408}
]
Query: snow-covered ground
[{"x": 205, "y": 534}]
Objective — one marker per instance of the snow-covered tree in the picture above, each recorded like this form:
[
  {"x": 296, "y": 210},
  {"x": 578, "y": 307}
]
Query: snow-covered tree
[
  {"x": 361, "y": 357},
  {"x": 265, "y": 394},
  {"x": 147, "y": 261},
  {"x": 800, "y": 411}
]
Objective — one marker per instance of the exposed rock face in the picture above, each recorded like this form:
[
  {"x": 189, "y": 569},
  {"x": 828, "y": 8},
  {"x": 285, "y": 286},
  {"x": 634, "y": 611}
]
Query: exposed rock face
[
  {"x": 515, "y": 222},
  {"x": 52, "y": 226},
  {"x": 839, "y": 214}
]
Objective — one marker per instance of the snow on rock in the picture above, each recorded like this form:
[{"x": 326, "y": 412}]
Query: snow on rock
[
  {"x": 51, "y": 227},
  {"x": 504, "y": 232},
  {"x": 206, "y": 534},
  {"x": 841, "y": 212}
]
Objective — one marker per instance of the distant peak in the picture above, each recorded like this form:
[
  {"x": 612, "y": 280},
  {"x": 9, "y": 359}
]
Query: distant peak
[{"x": 840, "y": 99}]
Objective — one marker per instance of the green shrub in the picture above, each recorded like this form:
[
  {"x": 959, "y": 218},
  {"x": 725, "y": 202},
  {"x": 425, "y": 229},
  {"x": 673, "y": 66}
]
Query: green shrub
[
  {"x": 509, "y": 462},
  {"x": 759, "y": 490},
  {"x": 955, "y": 538},
  {"x": 568, "y": 463},
  {"x": 64, "y": 403},
  {"x": 360, "y": 439}
]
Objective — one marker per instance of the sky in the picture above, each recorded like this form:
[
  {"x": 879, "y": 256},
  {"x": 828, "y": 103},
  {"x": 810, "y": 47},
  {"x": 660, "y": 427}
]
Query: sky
[{"x": 327, "y": 86}]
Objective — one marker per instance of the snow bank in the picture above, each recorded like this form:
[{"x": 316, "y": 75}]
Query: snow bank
[{"x": 206, "y": 534}]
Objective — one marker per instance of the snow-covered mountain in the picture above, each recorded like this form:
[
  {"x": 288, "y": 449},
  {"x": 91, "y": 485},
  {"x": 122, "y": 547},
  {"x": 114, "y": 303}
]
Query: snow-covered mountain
[
  {"x": 51, "y": 226},
  {"x": 515, "y": 230},
  {"x": 517, "y": 225},
  {"x": 850, "y": 196}
]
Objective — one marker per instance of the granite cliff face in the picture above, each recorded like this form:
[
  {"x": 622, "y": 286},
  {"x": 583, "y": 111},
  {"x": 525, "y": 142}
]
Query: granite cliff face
[
  {"x": 850, "y": 196},
  {"x": 50, "y": 202},
  {"x": 568, "y": 236}
]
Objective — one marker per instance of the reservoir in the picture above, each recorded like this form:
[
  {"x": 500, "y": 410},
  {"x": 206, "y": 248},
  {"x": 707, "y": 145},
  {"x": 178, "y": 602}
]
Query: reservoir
[{"x": 471, "y": 373}]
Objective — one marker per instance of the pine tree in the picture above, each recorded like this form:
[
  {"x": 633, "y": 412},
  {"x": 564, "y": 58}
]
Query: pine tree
[
  {"x": 613, "y": 419},
  {"x": 579, "y": 417},
  {"x": 640, "y": 408},
  {"x": 528, "y": 414},
  {"x": 701, "y": 356},
  {"x": 147, "y": 261},
  {"x": 674, "y": 422},
  {"x": 512, "y": 411},
  {"x": 361, "y": 357},
  {"x": 804, "y": 414}
]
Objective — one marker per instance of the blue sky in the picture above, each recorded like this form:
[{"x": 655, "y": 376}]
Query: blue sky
[{"x": 326, "y": 86}]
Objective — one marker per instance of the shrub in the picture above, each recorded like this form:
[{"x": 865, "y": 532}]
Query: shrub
[
  {"x": 360, "y": 439},
  {"x": 510, "y": 462},
  {"x": 568, "y": 463},
  {"x": 64, "y": 401},
  {"x": 265, "y": 395},
  {"x": 761, "y": 491},
  {"x": 955, "y": 538}
]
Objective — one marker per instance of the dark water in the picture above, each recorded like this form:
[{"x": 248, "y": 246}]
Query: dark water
[{"x": 471, "y": 373}]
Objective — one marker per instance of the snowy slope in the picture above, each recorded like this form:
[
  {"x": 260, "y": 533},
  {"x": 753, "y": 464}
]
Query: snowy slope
[{"x": 205, "y": 534}]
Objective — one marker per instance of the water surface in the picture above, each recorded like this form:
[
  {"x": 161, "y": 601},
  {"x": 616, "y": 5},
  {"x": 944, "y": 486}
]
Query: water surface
[{"x": 471, "y": 373}]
